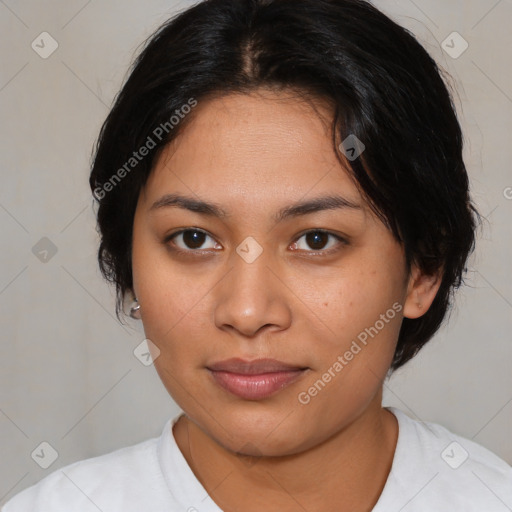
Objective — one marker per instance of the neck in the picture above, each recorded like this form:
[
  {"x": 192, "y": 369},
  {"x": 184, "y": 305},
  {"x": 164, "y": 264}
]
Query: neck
[{"x": 345, "y": 472}]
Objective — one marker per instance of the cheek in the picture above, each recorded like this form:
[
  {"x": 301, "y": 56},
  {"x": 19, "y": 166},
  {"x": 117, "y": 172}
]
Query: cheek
[
  {"x": 161, "y": 290},
  {"x": 174, "y": 311},
  {"x": 363, "y": 314},
  {"x": 156, "y": 287},
  {"x": 358, "y": 300}
]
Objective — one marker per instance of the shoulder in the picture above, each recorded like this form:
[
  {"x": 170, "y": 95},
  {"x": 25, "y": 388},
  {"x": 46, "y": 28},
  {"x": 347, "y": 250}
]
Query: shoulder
[
  {"x": 444, "y": 471},
  {"x": 119, "y": 480}
]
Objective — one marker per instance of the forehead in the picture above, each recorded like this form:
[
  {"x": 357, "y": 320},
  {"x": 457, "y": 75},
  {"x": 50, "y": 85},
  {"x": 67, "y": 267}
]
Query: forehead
[{"x": 253, "y": 148}]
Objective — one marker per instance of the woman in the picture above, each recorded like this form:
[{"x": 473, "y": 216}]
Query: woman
[{"x": 281, "y": 192}]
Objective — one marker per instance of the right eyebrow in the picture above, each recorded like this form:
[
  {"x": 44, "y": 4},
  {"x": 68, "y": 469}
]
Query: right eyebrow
[{"x": 189, "y": 203}]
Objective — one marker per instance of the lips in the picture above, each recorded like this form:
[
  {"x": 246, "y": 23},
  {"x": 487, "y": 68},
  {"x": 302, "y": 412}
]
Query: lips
[
  {"x": 254, "y": 380},
  {"x": 256, "y": 367}
]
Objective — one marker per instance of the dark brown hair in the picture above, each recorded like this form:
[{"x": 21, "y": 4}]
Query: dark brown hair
[{"x": 386, "y": 89}]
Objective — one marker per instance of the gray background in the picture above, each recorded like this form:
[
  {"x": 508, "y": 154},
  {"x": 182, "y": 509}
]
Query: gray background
[{"x": 68, "y": 373}]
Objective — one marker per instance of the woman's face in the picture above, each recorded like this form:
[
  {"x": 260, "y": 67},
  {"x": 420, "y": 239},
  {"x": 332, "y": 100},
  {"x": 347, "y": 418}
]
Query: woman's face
[{"x": 261, "y": 281}]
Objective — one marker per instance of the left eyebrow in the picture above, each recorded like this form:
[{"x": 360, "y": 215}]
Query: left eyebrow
[
  {"x": 315, "y": 205},
  {"x": 294, "y": 210}
]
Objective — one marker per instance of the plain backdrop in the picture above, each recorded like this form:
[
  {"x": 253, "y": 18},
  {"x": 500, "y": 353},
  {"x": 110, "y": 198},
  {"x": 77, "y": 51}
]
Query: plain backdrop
[{"x": 68, "y": 373}]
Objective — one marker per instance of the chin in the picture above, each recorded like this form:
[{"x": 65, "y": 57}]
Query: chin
[{"x": 259, "y": 433}]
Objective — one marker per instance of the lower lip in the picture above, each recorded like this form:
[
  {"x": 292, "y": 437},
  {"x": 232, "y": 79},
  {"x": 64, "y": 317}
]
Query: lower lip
[{"x": 255, "y": 387}]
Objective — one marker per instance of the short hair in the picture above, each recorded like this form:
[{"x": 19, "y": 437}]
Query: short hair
[{"x": 385, "y": 89}]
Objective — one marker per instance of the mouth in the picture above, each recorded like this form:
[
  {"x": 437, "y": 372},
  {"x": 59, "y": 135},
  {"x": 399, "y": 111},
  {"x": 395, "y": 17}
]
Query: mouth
[{"x": 254, "y": 380}]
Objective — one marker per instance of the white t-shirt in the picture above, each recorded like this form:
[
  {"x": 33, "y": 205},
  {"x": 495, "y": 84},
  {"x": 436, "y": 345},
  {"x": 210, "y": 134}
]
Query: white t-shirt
[{"x": 433, "y": 471}]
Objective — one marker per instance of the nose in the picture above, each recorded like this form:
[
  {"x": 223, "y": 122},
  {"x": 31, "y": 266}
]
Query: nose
[{"x": 252, "y": 297}]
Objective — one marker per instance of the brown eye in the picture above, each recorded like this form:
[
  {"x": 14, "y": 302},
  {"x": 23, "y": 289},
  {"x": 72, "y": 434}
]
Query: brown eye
[
  {"x": 318, "y": 240},
  {"x": 191, "y": 239}
]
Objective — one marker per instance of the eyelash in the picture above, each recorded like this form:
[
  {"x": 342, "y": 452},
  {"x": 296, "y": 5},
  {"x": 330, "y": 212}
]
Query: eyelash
[{"x": 200, "y": 252}]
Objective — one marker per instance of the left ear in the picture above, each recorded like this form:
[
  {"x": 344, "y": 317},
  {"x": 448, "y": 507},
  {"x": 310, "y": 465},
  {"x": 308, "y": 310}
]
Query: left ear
[{"x": 421, "y": 292}]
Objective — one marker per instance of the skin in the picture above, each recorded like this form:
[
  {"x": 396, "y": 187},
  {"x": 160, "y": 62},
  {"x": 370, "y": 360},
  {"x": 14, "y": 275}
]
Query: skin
[{"x": 254, "y": 154}]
